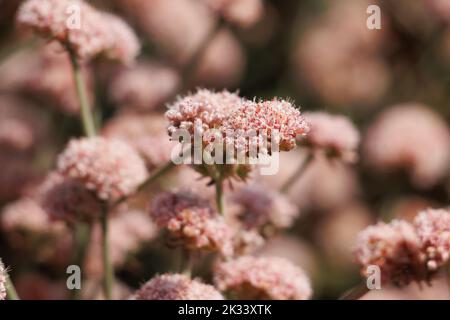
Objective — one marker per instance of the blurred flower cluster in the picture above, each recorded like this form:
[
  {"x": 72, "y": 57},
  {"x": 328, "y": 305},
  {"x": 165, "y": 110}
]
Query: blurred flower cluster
[{"x": 93, "y": 95}]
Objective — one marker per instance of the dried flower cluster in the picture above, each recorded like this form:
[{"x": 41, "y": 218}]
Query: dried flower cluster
[
  {"x": 406, "y": 252},
  {"x": 89, "y": 34},
  {"x": 110, "y": 168},
  {"x": 192, "y": 221},
  {"x": 176, "y": 287},
  {"x": 335, "y": 135},
  {"x": 262, "y": 278}
]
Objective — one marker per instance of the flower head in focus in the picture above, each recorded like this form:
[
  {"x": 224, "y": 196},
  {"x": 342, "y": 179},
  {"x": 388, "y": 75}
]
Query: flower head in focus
[
  {"x": 176, "y": 287},
  {"x": 192, "y": 221},
  {"x": 335, "y": 135},
  {"x": 108, "y": 167},
  {"x": 262, "y": 278},
  {"x": 269, "y": 119},
  {"x": 201, "y": 111},
  {"x": 433, "y": 229},
  {"x": 93, "y": 33},
  {"x": 226, "y": 129}
]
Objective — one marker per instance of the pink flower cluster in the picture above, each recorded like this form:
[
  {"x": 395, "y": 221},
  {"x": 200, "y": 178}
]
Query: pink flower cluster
[
  {"x": 89, "y": 34},
  {"x": 108, "y": 167},
  {"x": 21, "y": 125},
  {"x": 258, "y": 207},
  {"x": 145, "y": 86},
  {"x": 155, "y": 18},
  {"x": 68, "y": 200},
  {"x": 433, "y": 229},
  {"x": 201, "y": 111},
  {"x": 26, "y": 215},
  {"x": 333, "y": 134},
  {"x": 241, "y": 123},
  {"x": 129, "y": 230},
  {"x": 146, "y": 133},
  {"x": 176, "y": 287},
  {"x": 192, "y": 221},
  {"x": 336, "y": 74},
  {"x": 3, "y": 276},
  {"x": 406, "y": 252},
  {"x": 45, "y": 75},
  {"x": 269, "y": 278},
  {"x": 278, "y": 117},
  {"x": 243, "y": 13},
  {"x": 411, "y": 137}
]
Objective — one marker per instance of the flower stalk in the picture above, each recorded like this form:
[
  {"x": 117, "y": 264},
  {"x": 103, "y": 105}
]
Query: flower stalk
[
  {"x": 356, "y": 292},
  {"x": 220, "y": 195},
  {"x": 82, "y": 234},
  {"x": 297, "y": 174},
  {"x": 11, "y": 292},
  {"x": 85, "y": 109},
  {"x": 108, "y": 271}
]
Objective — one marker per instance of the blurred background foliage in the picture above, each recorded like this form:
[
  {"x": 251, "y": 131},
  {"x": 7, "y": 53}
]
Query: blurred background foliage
[{"x": 317, "y": 53}]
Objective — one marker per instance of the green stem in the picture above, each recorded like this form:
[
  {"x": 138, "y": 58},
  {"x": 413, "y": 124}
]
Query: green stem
[
  {"x": 448, "y": 277},
  {"x": 297, "y": 174},
  {"x": 11, "y": 292},
  {"x": 82, "y": 235},
  {"x": 154, "y": 175},
  {"x": 188, "y": 258},
  {"x": 108, "y": 272},
  {"x": 355, "y": 293},
  {"x": 220, "y": 195},
  {"x": 85, "y": 109},
  {"x": 195, "y": 60}
]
